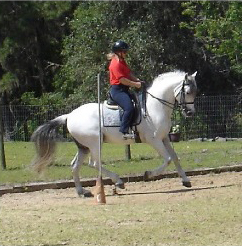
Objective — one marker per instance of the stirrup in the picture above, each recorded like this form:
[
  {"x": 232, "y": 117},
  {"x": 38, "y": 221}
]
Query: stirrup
[{"x": 129, "y": 136}]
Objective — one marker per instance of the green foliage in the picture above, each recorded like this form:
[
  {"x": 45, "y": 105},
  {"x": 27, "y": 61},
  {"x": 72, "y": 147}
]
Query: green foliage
[
  {"x": 56, "y": 49},
  {"x": 217, "y": 26},
  {"x": 221, "y": 30},
  {"x": 30, "y": 45},
  {"x": 8, "y": 82},
  {"x": 147, "y": 27},
  {"x": 83, "y": 53},
  {"x": 28, "y": 98}
]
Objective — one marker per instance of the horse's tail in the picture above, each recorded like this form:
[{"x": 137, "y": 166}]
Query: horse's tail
[{"x": 44, "y": 138}]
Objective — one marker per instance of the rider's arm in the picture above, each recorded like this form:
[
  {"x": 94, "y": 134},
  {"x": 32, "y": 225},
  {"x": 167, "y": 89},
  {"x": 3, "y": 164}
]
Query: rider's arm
[
  {"x": 133, "y": 78},
  {"x": 131, "y": 83}
]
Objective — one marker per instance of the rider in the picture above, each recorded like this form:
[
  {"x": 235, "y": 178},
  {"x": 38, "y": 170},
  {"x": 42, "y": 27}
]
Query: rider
[{"x": 121, "y": 78}]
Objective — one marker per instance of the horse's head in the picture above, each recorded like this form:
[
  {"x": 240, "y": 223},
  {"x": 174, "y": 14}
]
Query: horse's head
[{"x": 185, "y": 94}]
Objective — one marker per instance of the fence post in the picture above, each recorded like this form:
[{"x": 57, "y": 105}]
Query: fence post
[
  {"x": 127, "y": 152},
  {"x": 2, "y": 153}
]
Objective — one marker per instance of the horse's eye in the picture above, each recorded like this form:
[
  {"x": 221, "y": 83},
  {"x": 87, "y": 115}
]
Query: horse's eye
[{"x": 188, "y": 91}]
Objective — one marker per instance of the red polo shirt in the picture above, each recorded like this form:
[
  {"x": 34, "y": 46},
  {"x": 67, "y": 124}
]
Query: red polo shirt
[{"x": 118, "y": 69}]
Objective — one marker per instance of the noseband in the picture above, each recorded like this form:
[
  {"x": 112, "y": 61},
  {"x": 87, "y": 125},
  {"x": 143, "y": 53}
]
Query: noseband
[{"x": 182, "y": 103}]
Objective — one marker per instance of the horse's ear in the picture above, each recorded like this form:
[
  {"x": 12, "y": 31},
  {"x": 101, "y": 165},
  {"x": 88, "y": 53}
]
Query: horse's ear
[{"x": 194, "y": 75}]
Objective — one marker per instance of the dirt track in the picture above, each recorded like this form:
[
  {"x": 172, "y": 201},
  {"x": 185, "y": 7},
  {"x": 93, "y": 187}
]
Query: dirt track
[
  {"x": 167, "y": 192},
  {"x": 165, "y": 188}
]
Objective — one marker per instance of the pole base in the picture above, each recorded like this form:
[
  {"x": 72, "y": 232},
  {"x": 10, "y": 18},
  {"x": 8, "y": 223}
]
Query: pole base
[{"x": 100, "y": 197}]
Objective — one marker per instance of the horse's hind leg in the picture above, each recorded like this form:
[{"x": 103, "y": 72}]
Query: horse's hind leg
[
  {"x": 94, "y": 163},
  {"x": 76, "y": 164},
  {"x": 115, "y": 178},
  {"x": 185, "y": 180}
]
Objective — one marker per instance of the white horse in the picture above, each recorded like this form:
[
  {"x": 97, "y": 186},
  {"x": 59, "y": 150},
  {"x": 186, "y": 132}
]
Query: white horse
[{"x": 83, "y": 125}]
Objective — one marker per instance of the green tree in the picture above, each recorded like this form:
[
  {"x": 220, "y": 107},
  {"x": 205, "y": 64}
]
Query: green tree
[
  {"x": 30, "y": 35},
  {"x": 217, "y": 28},
  {"x": 51, "y": 52},
  {"x": 152, "y": 29}
]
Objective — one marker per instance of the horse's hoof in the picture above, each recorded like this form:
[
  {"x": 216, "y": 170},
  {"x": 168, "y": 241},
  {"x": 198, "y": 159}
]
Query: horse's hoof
[
  {"x": 120, "y": 185},
  {"x": 88, "y": 194},
  {"x": 187, "y": 184},
  {"x": 114, "y": 191},
  {"x": 147, "y": 176},
  {"x": 85, "y": 194}
]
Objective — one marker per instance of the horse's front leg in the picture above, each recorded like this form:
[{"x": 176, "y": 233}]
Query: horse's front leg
[
  {"x": 161, "y": 149},
  {"x": 185, "y": 180}
]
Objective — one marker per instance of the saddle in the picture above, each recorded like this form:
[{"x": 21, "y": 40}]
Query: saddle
[{"x": 112, "y": 112}]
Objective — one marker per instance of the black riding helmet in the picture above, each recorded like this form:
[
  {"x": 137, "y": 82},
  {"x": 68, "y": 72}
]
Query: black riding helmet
[{"x": 120, "y": 46}]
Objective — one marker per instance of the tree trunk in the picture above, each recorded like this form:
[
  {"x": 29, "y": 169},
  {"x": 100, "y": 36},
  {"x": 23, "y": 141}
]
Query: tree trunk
[{"x": 2, "y": 152}]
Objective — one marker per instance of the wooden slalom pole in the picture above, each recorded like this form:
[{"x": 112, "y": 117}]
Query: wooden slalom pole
[{"x": 99, "y": 190}]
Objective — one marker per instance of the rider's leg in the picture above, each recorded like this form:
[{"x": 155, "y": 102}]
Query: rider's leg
[
  {"x": 124, "y": 101},
  {"x": 128, "y": 107}
]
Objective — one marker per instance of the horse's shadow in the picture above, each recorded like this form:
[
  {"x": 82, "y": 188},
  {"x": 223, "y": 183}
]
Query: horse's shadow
[{"x": 185, "y": 190}]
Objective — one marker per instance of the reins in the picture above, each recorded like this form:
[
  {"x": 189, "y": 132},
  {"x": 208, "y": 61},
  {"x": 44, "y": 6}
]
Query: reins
[{"x": 166, "y": 103}]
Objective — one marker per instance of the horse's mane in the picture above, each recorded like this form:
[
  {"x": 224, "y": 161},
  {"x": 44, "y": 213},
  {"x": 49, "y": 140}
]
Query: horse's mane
[{"x": 170, "y": 75}]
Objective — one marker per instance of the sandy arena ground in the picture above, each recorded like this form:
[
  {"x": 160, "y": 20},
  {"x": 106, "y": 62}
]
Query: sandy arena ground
[
  {"x": 207, "y": 214},
  {"x": 163, "y": 190}
]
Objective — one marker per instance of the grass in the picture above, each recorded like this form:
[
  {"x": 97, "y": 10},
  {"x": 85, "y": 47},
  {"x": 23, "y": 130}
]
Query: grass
[{"x": 193, "y": 155}]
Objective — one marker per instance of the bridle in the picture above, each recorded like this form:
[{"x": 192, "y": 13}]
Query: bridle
[
  {"x": 182, "y": 103},
  {"x": 168, "y": 104},
  {"x": 179, "y": 90}
]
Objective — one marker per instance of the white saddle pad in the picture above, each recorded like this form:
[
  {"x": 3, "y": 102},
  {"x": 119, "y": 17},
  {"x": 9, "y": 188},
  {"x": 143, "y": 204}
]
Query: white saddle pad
[{"x": 111, "y": 117}]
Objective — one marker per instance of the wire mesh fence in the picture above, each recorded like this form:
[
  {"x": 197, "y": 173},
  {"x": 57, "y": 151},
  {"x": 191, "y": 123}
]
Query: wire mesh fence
[{"x": 216, "y": 116}]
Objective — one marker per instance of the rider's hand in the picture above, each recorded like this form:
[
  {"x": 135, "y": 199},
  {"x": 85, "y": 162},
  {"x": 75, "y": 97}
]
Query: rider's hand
[{"x": 138, "y": 84}]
